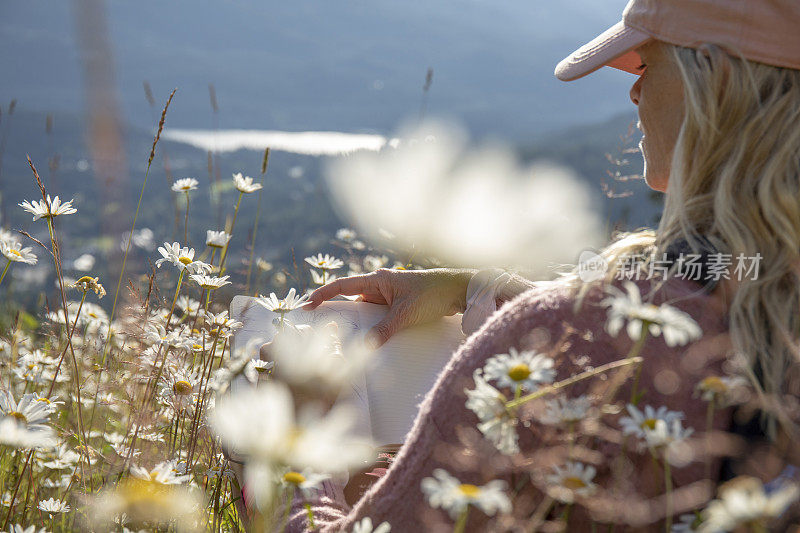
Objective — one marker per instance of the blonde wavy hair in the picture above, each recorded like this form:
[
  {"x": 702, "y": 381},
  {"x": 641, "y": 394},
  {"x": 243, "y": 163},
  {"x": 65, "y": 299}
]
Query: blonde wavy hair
[{"x": 735, "y": 180}]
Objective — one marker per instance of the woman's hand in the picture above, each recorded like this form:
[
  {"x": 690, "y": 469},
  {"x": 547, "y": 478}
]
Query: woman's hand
[{"x": 413, "y": 296}]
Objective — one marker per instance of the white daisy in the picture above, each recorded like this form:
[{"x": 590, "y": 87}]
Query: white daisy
[
  {"x": 164, "y": 473},
  {"x": 365, "y": 526},
  {"x": 245, "y": 184},
  {"x": 326, "y": 262},
  {"x": 526, "y": 369},
  {"x": 210, "y": 282},
  {"x": 573, "y": 479},
  {"x": 496, "y": 423},
  {"x": 744, "y": 502},
  {"x": 51, "y": 208},
  {"x": 181, "y": 257},
  {"x": 445, "y": 491},
  {"x": 639, "y": 421},
  {"x": 217, "y": 239},
  {"x": 306, "y": 481},
  {"x": 29, "y": 412},
  {"x": 723, "y": 390},
  {"x": 54, "y": 506},
  {"x": 566, "y": 410},
  {"x": 677, "y": 327},
  {"x": 666, "y": 433},
  {"x": 256, "y": 368},
  {"x": 185, "y": 185},
  {"x": 14, "y": 252},
  {"x": 321, "y": 279},
  {"x": 221, "y": 321},
  {"x": 289, "y": 303}
]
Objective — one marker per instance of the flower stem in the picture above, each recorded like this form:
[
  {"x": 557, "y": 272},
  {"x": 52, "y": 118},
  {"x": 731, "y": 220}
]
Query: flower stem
[
  {"x": 574, "y": 379},
  {"x": 5, "y": 270},
  {"x": 668, "y": 487},
  {"x": 230, "y": 232},
  {"x": 461, "y": 524},
  {"x": 186, "y": 221}
]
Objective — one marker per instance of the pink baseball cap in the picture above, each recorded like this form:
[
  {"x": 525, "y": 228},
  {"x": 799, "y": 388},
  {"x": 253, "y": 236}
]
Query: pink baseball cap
[{"x": 766, "y": 31}]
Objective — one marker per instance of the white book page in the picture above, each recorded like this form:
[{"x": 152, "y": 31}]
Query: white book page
[{"x": 404, "y": 370}]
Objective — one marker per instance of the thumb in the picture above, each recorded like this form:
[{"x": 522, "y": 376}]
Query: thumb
[{"x": 394, "y": 321}]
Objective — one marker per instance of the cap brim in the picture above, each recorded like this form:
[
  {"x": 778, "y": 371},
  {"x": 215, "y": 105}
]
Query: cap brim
[{"x": 615, "y": 47}]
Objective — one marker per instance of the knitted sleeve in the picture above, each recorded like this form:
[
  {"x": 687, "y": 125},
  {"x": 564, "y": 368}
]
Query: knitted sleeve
[{"x": 445, "y": 428}]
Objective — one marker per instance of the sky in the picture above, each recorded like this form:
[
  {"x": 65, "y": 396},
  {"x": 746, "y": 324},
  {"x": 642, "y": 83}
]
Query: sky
[{"x": 351, "y": 65}]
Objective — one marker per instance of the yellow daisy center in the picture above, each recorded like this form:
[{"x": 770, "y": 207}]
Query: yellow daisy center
[
  {"x": 196, "y": 347},
  {"x": 19, "y": 416},
  {"x": 261, "y": 369},
  {"x": 519, "y": 372},
  {"x": 470, "y": 491},
  {"x": 294, "y": 477},
  {"x": 86, "y": 279},
  {"x": 184, "y": 260},
  {"x": 713, "y": 384},
  {"x": 574, "y": 483},
  {"x": 14, "y": 252},
  {"x": 182, "y": 387},
  {"x": 649, "y": 423}
]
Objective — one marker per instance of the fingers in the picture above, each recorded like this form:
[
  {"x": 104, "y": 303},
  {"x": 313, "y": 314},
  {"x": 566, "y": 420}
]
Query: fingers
[
  {"x": 395, "y": 320},
  {"x": 351, "y": 285}
]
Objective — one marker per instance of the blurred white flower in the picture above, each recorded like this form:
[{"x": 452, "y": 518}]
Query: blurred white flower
[
  {"x": 687, "y": 523},
  {"x": 723, "y": 390},
  {"x": 256, "y": 368},
  {"x": 16, "y": 528},
  {"x": 666, "y": 433},
  {"x": 466, "y": 205},
  {"x": 15, "y": 253},
  {"x": 217, "y": 239},
  {"x": 307, "y": 481},
  {"x": 185, "y": 185},
  {"x": 526, "y": 369},
  {"x": 244, "y": 184},
  {"x": 566, "y": 410},
  {"x": 164, "y": 473},
  {"x": 573, "y": 479},
  {"x": 641, "y": 421},
  {"x": 54, "y": 506},
  {"x": 496, "y": 423},
  {"x": 9, "y": 238},
  {"x": 316, "y": 358},
  {"x": 28, "y": 412},
  {"x": 445, "y": 491},
  {"x": 365, "y": 526},
  {"x": 677, "y": 327},
  {"x": 345, "y": 234},
  {"x": 260, "y": 423},
  {"x": 51, "y": 208},
  {"x": 84, "y": 263},
  {"x": 17, "y": 435},
  {"x": 744, "y": 502},
  {"x": 326, "y": 262}
]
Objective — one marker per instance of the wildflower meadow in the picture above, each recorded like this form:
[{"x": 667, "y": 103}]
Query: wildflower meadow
[{"x": 125, "y": 407}]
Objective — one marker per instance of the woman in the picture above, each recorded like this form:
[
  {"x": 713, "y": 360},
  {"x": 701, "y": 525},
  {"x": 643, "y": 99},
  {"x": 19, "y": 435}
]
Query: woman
[{"x": 718, "y": 96}]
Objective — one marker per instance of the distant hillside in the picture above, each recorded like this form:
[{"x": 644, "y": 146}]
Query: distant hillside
[{"x": 295, "y": 212}]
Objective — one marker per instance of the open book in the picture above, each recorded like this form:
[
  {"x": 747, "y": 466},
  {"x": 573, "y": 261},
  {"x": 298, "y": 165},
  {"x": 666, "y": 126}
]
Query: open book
[{"x": 403, "y": 370}]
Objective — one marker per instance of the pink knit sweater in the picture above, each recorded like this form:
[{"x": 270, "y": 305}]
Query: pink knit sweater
[{"x": 543, "y": 318}]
